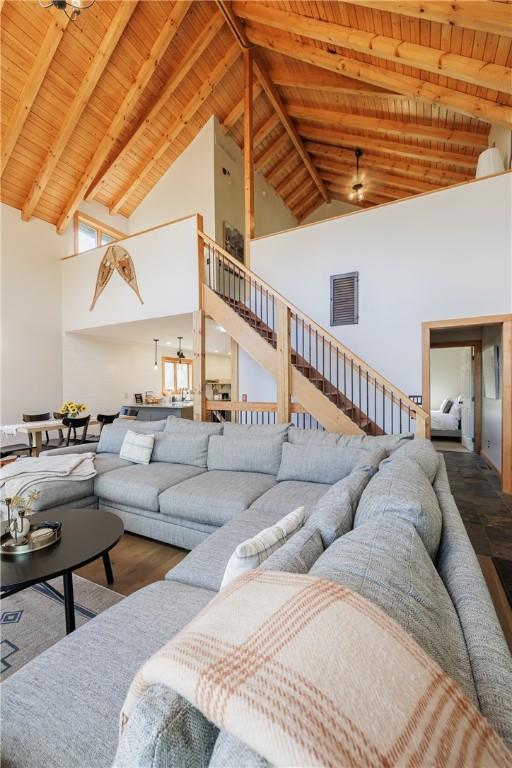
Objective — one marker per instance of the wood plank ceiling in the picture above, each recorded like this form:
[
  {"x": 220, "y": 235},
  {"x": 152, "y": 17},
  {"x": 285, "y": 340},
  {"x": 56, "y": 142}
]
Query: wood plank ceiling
[{"x": 100, "y": 107}]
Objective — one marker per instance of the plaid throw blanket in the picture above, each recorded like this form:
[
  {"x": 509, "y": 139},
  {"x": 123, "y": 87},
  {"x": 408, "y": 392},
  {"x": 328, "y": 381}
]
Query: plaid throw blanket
[{"x": 308, "y": 673}]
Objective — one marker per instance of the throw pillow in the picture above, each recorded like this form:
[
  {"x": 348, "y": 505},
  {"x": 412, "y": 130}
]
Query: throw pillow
[
  {"x": 252, "y": 552},
  {"x": 319, "y": 464},
  {"x": 447, "y": 406},
  {"x": 137, "y": 447},
  {"x": 420, "y": 451},
  {"x": 112, "y": 435},
  {"x": 174, "y": 448},
  {"x": 245, "y": 453}
]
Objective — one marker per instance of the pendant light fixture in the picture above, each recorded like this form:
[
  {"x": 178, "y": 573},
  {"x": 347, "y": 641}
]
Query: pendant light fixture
[
  {"x": 74, "y": 6},
  {"x": 155, "y": 367},
  {"x": 180, "y": 353},
  {"x": 357, "y": 188}
]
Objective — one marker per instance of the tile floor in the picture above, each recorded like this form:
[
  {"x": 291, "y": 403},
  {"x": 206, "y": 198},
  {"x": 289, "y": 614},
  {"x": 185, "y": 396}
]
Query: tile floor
[{"x": 486, "y": 511}]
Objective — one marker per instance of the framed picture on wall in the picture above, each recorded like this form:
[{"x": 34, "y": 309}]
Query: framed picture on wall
[
  {"x": 491, "y": 363},
  {"x": 139, "y": 399},
  {"x": 233, "y": 241}
]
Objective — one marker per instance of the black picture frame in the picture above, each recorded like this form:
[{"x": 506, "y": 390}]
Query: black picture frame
[{"x": 139, "y": 399}]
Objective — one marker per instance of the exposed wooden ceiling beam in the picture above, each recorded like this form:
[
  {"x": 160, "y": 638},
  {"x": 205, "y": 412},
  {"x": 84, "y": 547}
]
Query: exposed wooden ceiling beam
[
  {"x": 266, "y": 128},
  {"x": 138, "y": 85},
  {"x": 328, "y": 168},
  {"x": 45, "y": 54},
  {"x": 387, "y": 126},
  {"x": 334, "y": 136},
  {"x": 236, "y": 113},
  {"x": 315, "y": 79},
  {"x": 87, "y": 86},
  {"x": 276, "y": 102},
  {"x": 411, "y": 87},
  {"x": 281, "y": 165},
  {"x": 272, "y": 95},
  {"x": 188, "y": 60},
  {"x": 394, "y": 49},
  {"x": 206, "y": 89},
  {"x": 270, "y": 151},
  {"x": 494, "y": 17},
  {"x": 438, "y": 175}
]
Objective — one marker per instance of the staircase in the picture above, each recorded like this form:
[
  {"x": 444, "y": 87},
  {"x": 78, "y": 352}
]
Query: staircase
[{"x": 311, "y": 366}]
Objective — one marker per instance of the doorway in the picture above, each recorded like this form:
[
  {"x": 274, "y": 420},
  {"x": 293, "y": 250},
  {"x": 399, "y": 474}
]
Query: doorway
[
  {"x": 480, "y": 332},
  {"x": 456, "y": 394}
]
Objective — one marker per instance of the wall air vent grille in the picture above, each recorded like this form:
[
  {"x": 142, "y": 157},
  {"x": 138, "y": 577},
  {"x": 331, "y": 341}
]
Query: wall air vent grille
[{"x": 345, "y": 299}]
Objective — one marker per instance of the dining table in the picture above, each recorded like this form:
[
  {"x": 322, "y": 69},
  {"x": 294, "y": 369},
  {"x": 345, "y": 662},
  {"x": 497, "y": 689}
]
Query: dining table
[{"x": 36, "y": 430}]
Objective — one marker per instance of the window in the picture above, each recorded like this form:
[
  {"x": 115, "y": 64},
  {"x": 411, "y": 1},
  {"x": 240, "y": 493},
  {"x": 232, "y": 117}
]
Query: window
[
  {"x": 90, "y": 233},
  {"x": 176, "y": 375},
  {"x": 345, "y": 299}
]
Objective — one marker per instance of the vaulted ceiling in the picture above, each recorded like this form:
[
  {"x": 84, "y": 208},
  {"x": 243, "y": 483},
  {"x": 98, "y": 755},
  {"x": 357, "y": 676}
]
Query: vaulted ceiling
[{"x": 100, "y": 107}]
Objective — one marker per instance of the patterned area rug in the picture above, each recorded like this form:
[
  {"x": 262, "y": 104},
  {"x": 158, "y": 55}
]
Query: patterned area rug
[{"x": 33, "y": 620}]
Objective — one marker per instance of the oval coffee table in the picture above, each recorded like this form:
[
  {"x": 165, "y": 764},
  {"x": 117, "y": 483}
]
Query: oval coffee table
[{"x": 87, "y": 534}]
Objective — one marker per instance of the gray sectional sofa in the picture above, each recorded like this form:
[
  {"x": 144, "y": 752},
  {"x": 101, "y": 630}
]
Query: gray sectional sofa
[{"x": 380, "y": 519}]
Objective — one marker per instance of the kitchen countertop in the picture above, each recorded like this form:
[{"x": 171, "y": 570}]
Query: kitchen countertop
[{"x": 184, "y": 404}]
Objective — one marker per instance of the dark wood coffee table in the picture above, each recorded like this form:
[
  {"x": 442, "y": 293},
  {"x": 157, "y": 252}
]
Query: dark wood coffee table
[{"x": 87, "y": 534}]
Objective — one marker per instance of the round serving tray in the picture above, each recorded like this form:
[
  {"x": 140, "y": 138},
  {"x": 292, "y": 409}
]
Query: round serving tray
[{"x": 28, "y": 544}]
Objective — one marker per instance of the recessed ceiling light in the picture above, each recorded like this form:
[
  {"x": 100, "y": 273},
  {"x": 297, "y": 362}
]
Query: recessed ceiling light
[
  {"x": 221, "y": 329},
  {"x": 216, "y": 351},
  {"x": 168, "y": 343}
]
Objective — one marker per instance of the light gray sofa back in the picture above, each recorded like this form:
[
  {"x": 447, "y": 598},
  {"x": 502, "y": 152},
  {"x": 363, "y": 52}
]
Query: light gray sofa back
[
  {"x": 112, "y": 435},
  {"x": 490, "y": 657},
  {"x": 246, "y": 454}
]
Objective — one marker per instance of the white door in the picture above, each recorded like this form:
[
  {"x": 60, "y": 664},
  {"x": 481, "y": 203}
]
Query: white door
[{"x": 468, "y": 403}]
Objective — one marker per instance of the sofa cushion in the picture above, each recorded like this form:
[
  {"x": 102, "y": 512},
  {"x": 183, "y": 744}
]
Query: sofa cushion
[
  {"x": 298, "y": 436},
  {"x": 137, "y": 448},
  {"x": 214, "y": 497},
  {"x": 319, "y": 464},
  {"x": 73, "y": 692},
  {"x": 177, "y": 424},
  {"x": 164, "y": 729},
  {"x": 252, "y": 552},
  {"x": 112, "y": 435},
  {"x": 401, "y": 489},
  {"x": 60, "y": 492},
  {"x": 386, "y": 562},
  {"x": 298, "y": 554},
  {"x": 106, "y": 462},
  {"x": 176, "y": 448},
  {"x": 390, "y": 443},
  {"x": 255, "y": 430},
  {"x": 205, "y": 565},
  {"x": 422, "y": 452},
  {"x": 246, "y": 454},
  {"x": 141, "y": 485},
  {"x": 333, "y": 514},
  {"x": 289, "y": 495}
]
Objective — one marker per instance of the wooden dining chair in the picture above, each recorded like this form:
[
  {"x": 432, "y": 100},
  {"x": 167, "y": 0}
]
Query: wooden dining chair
[
  {"x": 103, "y": 419},
  {"x": 73, "y": 425},
  {"x": 28, "y": 417}
]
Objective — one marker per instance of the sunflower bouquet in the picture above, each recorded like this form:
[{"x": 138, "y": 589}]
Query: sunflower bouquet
[{"x": 70, "y": 409}]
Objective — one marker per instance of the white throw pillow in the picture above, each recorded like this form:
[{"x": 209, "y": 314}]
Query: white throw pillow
[
  {"x": 137, "y": 447},
  {"x": 252, "y": 552}
]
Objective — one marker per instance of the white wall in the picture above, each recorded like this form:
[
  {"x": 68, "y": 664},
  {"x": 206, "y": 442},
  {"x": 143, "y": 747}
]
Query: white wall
[
  {"x": 31, "y": 370},
  {"x": 165, "y": 261},
  {"x": 446, "y": 379},
  {"x": 217, "y": 366},
  {"x": 270, "y": 213},
  {"x": 437, "y": 256},
  {"x": 491, "y": 409},
  {"x": 186, "y": 188}
]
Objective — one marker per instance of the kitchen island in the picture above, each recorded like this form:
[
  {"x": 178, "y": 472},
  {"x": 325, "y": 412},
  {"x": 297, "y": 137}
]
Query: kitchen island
[{"x": 157, "y": 411}]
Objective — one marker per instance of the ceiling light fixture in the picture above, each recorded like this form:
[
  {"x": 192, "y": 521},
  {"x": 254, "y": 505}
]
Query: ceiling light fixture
[
  {"x": 76, "y": 6},
  {"x": 357, "y": 188},
  {"x": 180, "y": 353},
  {"x": 155, "y": 367}
]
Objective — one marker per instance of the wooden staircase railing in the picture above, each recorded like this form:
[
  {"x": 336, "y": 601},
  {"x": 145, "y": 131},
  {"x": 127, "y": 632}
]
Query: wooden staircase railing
[{"x": 311, "y": 366}]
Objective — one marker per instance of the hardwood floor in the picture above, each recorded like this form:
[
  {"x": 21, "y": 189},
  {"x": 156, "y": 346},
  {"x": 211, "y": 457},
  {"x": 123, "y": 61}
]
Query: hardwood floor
[{"x": 136, "y": 562}]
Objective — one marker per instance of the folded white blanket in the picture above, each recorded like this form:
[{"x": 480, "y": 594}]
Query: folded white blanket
[{"x": 19, "y": 476}]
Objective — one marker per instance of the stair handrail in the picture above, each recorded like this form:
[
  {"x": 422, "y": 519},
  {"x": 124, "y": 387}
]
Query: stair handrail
[{"x": 380, "y": 381}]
